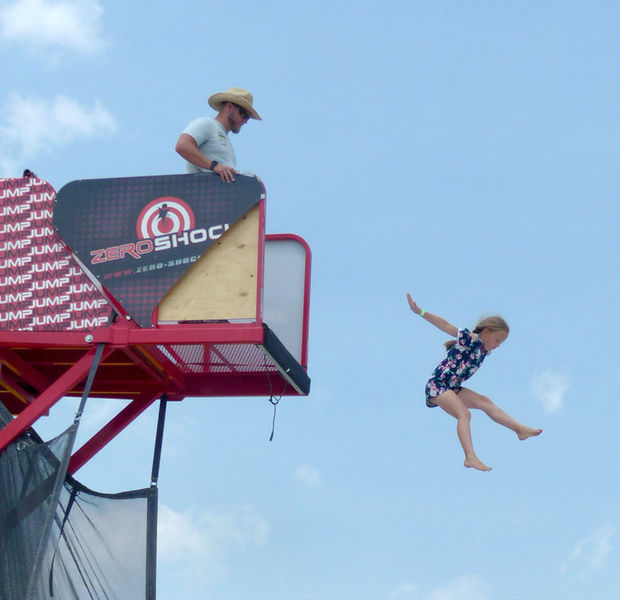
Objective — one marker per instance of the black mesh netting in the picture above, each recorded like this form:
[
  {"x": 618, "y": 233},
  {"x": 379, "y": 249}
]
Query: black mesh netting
[{"x": 60, "y": 540}]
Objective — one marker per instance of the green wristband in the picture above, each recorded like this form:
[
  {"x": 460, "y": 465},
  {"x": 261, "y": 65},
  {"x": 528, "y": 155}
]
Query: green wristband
[{"x": 422, "y": 311}]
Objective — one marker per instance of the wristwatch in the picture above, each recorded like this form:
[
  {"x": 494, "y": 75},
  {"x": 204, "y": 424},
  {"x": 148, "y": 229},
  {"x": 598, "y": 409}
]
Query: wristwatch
[{"x": 214, "y": 164}]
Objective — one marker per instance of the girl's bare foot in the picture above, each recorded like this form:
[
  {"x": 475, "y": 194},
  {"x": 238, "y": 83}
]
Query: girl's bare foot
[
  {"x": 476, "y": 463},
  {"x": 526, "y": 432}
]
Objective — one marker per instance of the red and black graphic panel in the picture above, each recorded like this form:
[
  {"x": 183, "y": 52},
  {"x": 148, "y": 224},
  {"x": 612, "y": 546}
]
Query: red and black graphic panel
[
  {"x": 139, "y": 235},
  {"x": 42, "y": 287}
]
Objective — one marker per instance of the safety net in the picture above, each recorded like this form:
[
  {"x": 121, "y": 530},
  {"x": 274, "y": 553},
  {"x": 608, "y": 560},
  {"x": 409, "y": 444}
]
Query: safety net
[{"x": 60, "y": 540}]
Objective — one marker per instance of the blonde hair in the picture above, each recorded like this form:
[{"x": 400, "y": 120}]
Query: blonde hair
[{"x": 494, "y": 323}]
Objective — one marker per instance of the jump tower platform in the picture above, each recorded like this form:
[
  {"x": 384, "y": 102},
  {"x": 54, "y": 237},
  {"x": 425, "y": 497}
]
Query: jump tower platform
[{"x": 143, "y": 287}]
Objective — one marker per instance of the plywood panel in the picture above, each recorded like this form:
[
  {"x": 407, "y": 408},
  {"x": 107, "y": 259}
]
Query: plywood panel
[{"x": 222, "y": 284}]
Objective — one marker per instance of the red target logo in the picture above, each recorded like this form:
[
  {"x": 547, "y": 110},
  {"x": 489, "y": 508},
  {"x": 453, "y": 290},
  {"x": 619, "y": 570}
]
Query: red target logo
[{"x": 164, "y": 216}]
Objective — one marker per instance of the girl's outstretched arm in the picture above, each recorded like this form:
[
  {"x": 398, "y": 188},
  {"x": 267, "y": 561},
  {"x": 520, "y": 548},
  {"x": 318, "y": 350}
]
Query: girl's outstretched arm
[{"x": 436, "y": 320}]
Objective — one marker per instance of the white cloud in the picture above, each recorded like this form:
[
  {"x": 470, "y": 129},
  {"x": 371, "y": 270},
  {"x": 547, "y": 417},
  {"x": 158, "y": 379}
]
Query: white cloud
[
  {"x": 549, "y": 386},
  {"x": 196, "y": 542},
  {"x": 590, "y": 553},
  {"x": 466, "y": 587},
  {"x": 32, "y": 126},
  {"x": 308, "y": 475},
  {"x": 47, "y": 25}
]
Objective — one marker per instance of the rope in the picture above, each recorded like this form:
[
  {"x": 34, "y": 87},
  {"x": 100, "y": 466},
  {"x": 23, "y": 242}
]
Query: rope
[
  {"x": 159, "y": 437},
  {"x": 275, "y": 402}
]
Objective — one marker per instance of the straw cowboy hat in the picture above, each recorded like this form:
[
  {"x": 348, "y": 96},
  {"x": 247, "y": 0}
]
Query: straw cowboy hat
[{"x": 238, "y": 96}]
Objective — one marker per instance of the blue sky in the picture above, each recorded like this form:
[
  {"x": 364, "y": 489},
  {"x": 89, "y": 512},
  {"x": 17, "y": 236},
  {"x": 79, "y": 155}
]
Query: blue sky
[{"x": 466, "y": 152}]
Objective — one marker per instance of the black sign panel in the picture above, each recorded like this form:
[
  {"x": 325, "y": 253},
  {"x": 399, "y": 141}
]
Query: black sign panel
[{"x": 139, "y": 235}]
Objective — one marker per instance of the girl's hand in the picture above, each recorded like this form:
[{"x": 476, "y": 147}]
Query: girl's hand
[
  {"x": 413, "y": 306},
  {"x": 435, "y": 320}
]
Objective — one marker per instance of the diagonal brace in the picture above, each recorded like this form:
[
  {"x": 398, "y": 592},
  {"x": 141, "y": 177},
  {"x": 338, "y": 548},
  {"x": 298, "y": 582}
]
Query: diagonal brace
[
  {"x": 108, "y": 432},
  {"x": 69, "y": 379}
]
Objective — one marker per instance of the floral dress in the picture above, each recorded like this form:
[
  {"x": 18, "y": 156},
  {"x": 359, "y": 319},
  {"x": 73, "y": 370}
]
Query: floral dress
[{"x": 461, "y": 363}]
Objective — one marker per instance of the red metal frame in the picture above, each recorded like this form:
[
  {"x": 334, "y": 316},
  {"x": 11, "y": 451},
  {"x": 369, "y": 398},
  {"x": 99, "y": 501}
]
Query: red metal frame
[
  {"x": 48, "y": 398},
  {"x": 38, "y": 368},
  {"x": 307, "y": 277},
  {"x": 260, "y": 270}
]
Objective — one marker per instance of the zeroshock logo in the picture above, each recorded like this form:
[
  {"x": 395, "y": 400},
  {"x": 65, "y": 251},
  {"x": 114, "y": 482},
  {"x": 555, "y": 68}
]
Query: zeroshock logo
[
  {"x": 164, "y": 223},
  {"x": 164, "y": 216}
]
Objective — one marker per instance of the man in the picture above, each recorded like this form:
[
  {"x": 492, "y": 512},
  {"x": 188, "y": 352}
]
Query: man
[{"x": 204, "y": 143}]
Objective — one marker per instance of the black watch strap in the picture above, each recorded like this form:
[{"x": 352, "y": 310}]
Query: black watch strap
[{"x": 214, "y": 164}]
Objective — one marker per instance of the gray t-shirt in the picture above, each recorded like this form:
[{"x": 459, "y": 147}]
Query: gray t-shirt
[{"x": 212, "y": 141}]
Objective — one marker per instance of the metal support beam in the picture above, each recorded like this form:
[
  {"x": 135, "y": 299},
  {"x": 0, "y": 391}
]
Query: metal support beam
[
  {"x": 48, "y": 398},
  {"x": 108, "y": 432}
]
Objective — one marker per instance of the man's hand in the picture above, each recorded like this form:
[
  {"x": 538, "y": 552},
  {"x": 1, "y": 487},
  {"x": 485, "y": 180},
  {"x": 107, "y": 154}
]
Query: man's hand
[{"x": 226, "y": 173}]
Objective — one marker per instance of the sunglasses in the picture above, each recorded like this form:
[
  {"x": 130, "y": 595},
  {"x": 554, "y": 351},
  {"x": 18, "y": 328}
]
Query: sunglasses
[{"x": 244, "y": 113}]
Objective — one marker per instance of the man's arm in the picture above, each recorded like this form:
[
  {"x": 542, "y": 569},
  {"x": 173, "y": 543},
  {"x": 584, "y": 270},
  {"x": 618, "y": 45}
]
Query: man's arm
[{"x": 188, "y": 149}]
